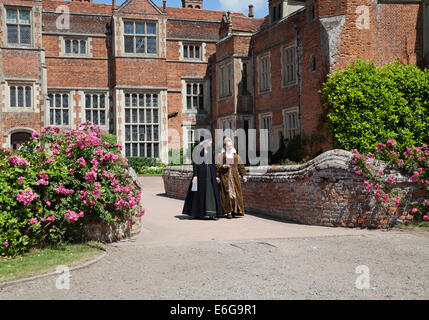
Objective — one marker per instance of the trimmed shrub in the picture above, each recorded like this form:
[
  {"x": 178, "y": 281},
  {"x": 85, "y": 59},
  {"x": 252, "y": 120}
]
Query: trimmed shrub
[
  {"x": 292, "y": 150},
  {"x": 110, "y": 138},
  {"x": 367, "y": 104},
  {"x": 146, "y": 166},
  {"x": 170, "y": 157}
]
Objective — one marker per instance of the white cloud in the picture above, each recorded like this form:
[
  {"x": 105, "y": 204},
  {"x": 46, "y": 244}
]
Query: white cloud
[{"x": 243, "y": 5}]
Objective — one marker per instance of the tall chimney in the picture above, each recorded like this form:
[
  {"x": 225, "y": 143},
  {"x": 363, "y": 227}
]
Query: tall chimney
[
  {"x": 251, "y": 10},
  {"x": 164, "y": 6}
]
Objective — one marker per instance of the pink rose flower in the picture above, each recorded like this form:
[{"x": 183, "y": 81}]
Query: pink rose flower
[
  {"x": 26, "y": 196},
  {"x": 35, "y": 135},
  {"x": 43, "y": 176},
  {"x": 142, "y": 212},
  {"x": 398, "y": 201},
  {"x": 6, "y": 244},
  {"x": 41, "y": 182},
  {"x": 414, "y": 210},
  {"x": 81, "y": 162}
]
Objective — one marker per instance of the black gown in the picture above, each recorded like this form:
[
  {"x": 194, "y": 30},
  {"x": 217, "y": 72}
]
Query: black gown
[{"x": 202, "y": 203}]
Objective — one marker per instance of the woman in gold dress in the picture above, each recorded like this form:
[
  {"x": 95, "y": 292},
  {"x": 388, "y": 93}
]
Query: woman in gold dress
[{"x": 230, "y": 167}]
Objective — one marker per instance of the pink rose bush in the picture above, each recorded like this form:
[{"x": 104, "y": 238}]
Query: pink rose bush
[
  {"x": 412, "y": 162},
  {"x": 59, "y": 182}
]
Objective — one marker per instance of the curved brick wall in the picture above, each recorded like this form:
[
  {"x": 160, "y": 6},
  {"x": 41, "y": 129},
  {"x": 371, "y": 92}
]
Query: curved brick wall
[
  {"x": 129, "y": 228},
  {"x": 324, "y": 191}
]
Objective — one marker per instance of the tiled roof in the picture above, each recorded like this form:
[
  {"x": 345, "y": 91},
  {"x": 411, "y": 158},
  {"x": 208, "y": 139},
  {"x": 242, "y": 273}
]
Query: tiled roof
[
  {"x": 239, "y": 20},
  {"x": 246, "y": 24},
  {"x": 198, "y": 14},
  {"x": 77, "y": 6}
]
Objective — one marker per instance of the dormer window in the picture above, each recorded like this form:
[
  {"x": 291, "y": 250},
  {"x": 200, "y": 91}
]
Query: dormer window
[
  {"x": 311, "y": 12},
  {"x": 276, "y": 11}
]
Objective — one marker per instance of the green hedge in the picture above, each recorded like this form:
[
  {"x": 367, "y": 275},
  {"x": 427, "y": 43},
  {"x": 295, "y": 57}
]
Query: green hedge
[
  {"x": 146, "y": 166},
  {"x": 368, "y": 104},
  {"x": 110, "y": 138}
]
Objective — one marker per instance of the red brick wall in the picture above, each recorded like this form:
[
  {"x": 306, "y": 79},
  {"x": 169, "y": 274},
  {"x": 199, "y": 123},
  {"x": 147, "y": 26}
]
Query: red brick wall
[
  {"x": 324, "y": 191},
  {"x": 395, "y": 32}
]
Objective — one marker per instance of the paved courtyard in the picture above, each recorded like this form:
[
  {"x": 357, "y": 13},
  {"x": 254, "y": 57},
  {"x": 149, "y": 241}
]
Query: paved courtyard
[{"x": 246, "y": 258}]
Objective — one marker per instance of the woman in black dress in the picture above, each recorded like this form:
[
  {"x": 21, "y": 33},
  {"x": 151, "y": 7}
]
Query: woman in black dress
[{"x": 205, "y": 202}]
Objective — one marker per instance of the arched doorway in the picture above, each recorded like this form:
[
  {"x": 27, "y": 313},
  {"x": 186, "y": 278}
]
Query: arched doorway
[{"x": 18, "y": 138}]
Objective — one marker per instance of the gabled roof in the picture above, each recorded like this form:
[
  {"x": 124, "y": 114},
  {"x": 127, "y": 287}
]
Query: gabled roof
[{"x": 141, "y": 5}]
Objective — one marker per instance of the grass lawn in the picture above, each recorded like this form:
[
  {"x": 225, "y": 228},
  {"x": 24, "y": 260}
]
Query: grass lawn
[
  {"x": 414, "y": 226},
  {"x": 40, "y": 261}
]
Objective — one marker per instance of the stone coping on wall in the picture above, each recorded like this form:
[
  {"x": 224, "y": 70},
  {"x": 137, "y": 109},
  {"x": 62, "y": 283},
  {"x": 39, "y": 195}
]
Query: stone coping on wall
[{"x": 323, "y": 191}]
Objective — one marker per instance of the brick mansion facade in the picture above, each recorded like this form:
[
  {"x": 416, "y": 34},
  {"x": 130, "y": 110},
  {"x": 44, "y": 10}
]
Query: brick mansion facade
[{"x": 142, "y": 71}]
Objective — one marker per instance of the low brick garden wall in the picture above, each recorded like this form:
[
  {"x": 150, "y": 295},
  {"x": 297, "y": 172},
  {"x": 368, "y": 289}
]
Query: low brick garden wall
[
  {"x": 112, "y": 233},
  {"x": 324, "y": 191},
  {"x": 115, "y": 232}
]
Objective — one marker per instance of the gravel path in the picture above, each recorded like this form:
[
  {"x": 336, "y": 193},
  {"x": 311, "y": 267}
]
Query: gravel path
[{"x": 305, "y": 262}]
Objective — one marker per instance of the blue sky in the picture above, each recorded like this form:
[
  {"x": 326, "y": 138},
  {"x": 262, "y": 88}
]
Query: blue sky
[{"x": 260, "y": 6}]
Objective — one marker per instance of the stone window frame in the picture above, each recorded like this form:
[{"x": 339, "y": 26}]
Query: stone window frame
[
  {"x": 267, "y": 115},
  {"x": 277, "y": 129},
  {"x": 245, "y": 81},
  {"x": 137, "y": 54},
  {"x": 188, "y": 127},
  {"x": 312, "y": 11},
  {"x": 192, "y": 95},
  {"x": 140, "y": 124},
  {"x": 286, "y": 121},
  {"x": 24, "y": 84},
  {"x": 4, "y": 27},
  {"x": 277, "y": 10},
  {"x": 106, "y": 109},
  {"x": 250, "y": 119},
  {"x": 225, "y": 76},
  {"x": 88, "y": 46},
  {"x": 230, "y": 120},
  {"x": 267, "y": 88},
  {"x": 61, "y": 108},
  {"x": 313, "y": 63},
  {"x": 201, "y": 45},
  {"x": 284, "y": 64},
  {"x": 206, "y": 95}
]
